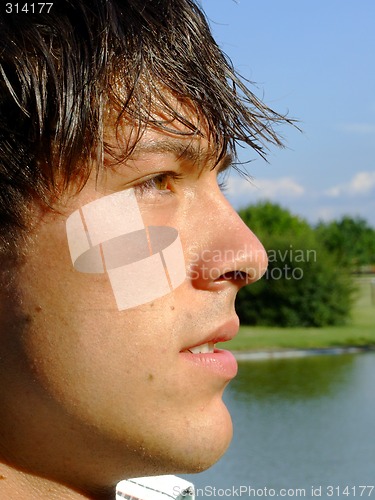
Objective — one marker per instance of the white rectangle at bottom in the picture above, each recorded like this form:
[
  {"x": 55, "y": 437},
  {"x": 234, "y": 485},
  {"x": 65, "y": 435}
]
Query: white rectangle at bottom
[{"x": 155, "y": 488}]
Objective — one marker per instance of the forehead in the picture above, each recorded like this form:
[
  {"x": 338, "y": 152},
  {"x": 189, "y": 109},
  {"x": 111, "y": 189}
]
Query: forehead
[
  {"x": 174, "y": 127},
  {"x": 193, "y": 153}
]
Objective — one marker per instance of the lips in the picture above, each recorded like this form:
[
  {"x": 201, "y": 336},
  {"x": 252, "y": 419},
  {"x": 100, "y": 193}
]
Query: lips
[
  {"x": 204, "y": 356},
  {"x": 227, "y": 331}
]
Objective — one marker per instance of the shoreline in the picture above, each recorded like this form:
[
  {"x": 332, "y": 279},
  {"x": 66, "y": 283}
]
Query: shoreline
[{"x": 266, "y": 354}]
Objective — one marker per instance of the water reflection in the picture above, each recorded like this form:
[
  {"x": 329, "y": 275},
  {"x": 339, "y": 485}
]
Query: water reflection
[
  {"x": 296, "y": 378},
  {"x": 300, "y": 423}
]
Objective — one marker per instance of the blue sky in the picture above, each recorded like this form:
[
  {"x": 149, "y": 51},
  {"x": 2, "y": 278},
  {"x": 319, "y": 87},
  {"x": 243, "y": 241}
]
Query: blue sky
[{"x": 316, "y": 60}]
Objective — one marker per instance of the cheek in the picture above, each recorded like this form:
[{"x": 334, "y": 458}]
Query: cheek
[
  {"x": 142, "y": 262},
  {"x": 86, "y": 363},
  {"x": 119, "y": 373},
  {"x": 77, "y": 333}
]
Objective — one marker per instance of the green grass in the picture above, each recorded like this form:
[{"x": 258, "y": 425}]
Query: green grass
[{"x": 360, "y": 330}]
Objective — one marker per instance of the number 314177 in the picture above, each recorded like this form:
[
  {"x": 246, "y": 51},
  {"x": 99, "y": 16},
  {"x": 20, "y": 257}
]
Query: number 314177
[{"x": 32, "y": 8}]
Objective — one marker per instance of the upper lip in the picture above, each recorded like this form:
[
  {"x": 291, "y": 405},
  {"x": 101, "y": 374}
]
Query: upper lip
[{"x": 226, "y": 331}]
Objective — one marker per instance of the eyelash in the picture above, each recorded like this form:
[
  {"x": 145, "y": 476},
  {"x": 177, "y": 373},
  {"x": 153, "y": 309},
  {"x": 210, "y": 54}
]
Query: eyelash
[{"x": 149, "y": 185}]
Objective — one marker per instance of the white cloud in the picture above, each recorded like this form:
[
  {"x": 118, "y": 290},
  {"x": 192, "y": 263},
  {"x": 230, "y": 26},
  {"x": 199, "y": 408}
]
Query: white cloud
[
  {"x": 358, "y": 128},
  {"x": 265, "y": 188},
  {"x": 285, "y": 186},
  {"x": 361, "y": 184},
  {"x": 353, "y": 197}
]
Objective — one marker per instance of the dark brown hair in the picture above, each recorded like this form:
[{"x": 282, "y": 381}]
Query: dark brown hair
[{"x": 60, "y": 70}]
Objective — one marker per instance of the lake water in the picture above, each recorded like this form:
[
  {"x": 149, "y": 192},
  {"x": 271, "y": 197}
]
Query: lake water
[{"x": 299, "y": 423}]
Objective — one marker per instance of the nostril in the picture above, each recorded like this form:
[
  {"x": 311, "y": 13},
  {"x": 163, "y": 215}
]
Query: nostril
[
  {"x": 234, "y": 276},
  {"x": 251, "y": 275}
]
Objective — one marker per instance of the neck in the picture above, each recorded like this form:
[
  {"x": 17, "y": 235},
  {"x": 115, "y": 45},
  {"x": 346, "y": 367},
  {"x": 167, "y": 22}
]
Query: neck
[{"x": 21, "y": 484}]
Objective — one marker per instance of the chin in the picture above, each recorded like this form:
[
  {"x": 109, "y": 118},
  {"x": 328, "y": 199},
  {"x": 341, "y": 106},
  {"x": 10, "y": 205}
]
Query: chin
[{"x": 205, "y": 446}]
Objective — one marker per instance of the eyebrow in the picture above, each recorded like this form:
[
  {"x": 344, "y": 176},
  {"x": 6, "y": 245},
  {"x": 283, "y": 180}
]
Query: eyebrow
[{"x": 183, "y": 151}]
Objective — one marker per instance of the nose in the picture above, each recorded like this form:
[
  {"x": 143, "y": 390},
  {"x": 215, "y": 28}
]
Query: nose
[{"x": 227, "y": 251}]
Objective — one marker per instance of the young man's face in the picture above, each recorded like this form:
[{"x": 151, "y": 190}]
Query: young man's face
[{"x": 112, "y": 390}]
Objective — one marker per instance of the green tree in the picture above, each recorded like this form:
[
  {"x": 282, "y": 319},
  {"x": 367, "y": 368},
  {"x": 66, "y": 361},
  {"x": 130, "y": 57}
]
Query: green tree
[
  {"x": 352, "y": 240},
  {"x": 304, "y": 285},
  {"x": 266, "y": 218}
]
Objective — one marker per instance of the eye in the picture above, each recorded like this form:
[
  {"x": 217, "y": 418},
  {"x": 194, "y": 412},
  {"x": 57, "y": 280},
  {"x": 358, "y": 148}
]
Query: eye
[{"x": 162, "y": 183}]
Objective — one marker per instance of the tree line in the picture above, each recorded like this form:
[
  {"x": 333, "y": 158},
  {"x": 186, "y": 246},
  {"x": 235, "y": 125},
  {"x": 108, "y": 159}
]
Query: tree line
[{"x": 309, "y": 280}]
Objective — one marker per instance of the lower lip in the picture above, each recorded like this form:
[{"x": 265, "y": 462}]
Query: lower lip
[{"x": 219, "y": 362}]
